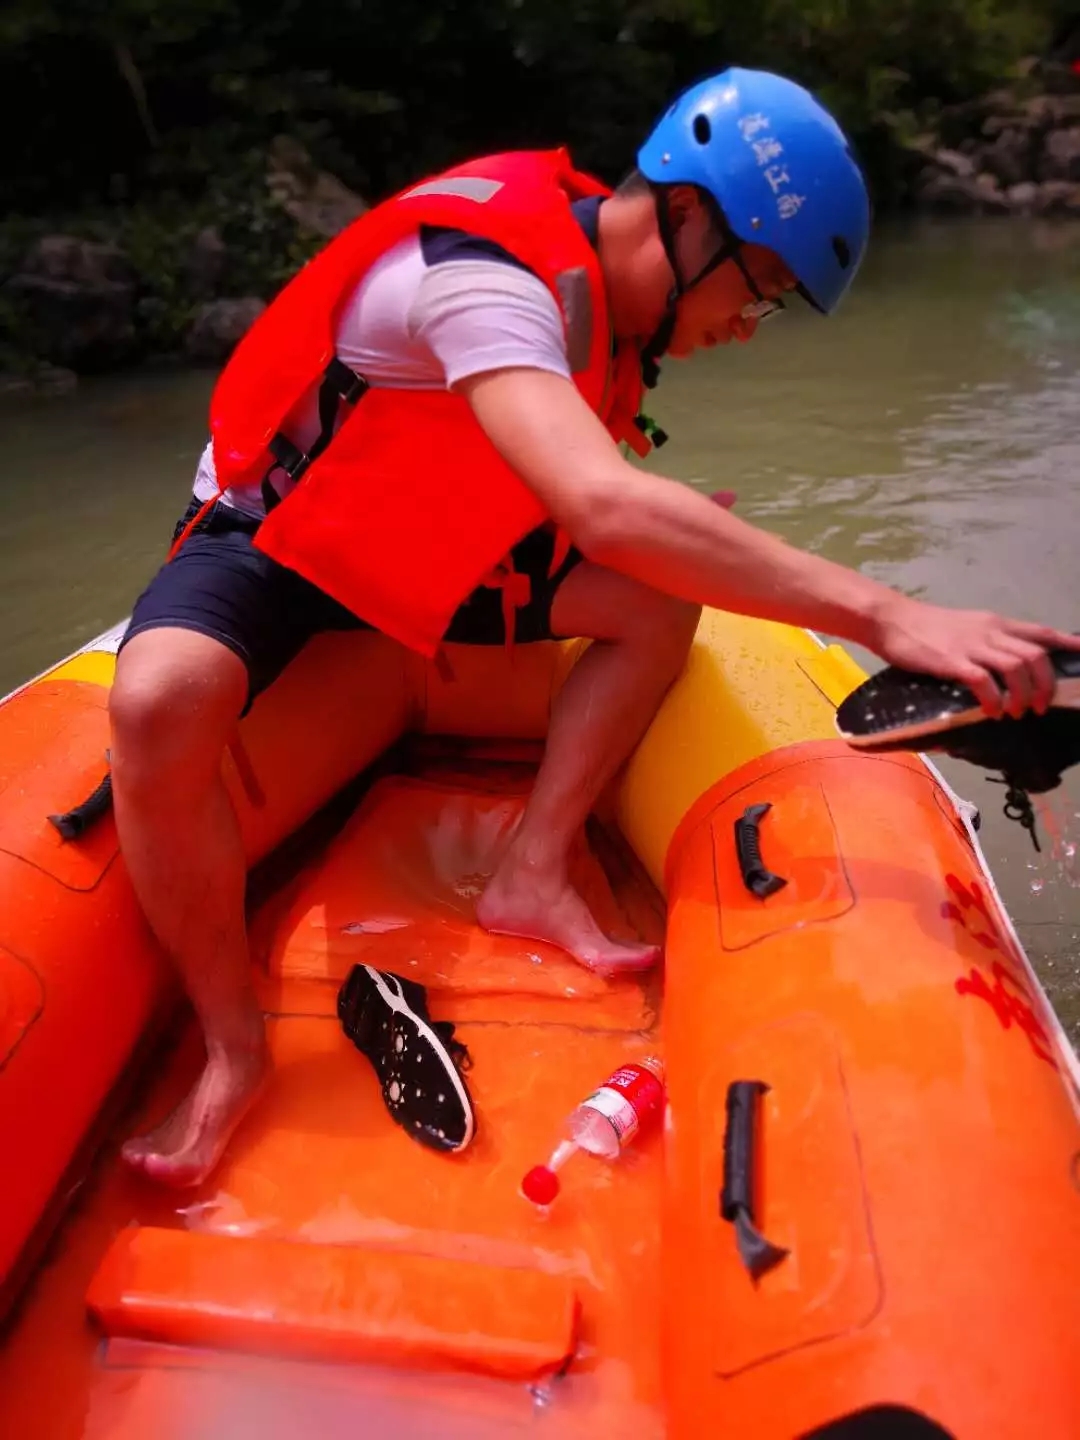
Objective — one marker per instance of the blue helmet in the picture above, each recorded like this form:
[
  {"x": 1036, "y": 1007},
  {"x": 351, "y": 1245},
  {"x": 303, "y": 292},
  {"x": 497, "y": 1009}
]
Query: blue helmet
[{"x": 779, "y": 167}]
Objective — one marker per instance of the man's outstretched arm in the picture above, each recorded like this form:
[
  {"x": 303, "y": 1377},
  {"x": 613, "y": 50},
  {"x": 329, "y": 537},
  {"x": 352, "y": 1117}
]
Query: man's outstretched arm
[{"x": 667, "y": 535}]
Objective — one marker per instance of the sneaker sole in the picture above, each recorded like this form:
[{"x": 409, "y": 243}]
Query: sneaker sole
[
  {"x": 863, "y": 725},
  {"x": 395, "y": 1000}
]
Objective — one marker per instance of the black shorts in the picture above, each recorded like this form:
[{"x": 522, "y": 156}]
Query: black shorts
[{"x": 220, "y": 585}]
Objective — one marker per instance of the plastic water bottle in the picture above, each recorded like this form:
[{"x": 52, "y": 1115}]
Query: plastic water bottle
[{"x": 630, "y": 1102}]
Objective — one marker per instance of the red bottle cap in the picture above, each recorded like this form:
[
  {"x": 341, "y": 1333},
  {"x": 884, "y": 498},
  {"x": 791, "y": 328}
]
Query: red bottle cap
[{"x": 540, "y": 1185}]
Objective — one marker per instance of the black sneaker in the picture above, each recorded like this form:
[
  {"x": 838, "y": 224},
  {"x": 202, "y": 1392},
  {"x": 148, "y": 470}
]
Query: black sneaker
[
  {"x": 898, "y": 710},
  {"x": 417, "y": 1059},
  {"x": 897, "y": 707}
]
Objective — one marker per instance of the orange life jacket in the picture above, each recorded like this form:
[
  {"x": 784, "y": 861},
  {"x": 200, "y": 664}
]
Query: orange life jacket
[{"x": 404, "y": 510}]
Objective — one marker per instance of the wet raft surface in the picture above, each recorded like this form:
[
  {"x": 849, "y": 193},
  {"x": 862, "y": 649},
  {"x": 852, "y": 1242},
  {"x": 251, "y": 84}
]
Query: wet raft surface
[{"x": 471, "y": 1297}]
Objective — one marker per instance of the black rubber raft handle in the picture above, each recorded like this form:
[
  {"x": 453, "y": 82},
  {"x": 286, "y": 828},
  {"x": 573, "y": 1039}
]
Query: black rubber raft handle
[
  {"x": 74, "y": 823},
  {"x": 737, "y": 1197},
  {"x": 756, "y": 875}
]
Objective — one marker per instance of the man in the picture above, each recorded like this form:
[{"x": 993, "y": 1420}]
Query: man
[{"x": 474, "y": 351}]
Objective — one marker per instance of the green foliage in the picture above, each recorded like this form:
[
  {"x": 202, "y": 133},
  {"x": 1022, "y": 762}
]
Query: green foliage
[
  {"x": 153, "y": 93},
  {"x": 142, "y": 121}
]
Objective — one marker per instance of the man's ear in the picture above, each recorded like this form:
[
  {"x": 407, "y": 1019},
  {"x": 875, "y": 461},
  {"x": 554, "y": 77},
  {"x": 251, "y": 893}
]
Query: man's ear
[{"x": 683, "y": 202}]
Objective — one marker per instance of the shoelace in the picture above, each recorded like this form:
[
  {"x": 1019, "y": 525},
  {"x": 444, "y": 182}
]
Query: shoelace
[{"x": 457, "y": 1049}]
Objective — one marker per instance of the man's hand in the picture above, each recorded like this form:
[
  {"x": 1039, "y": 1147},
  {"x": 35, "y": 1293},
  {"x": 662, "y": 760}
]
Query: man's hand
[{"x": 973, "y": 646}]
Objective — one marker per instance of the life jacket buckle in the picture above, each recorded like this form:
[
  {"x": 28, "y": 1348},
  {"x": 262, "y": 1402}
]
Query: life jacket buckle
[
  {"x": 339, "y": 383},
  {"x": 288, "y": 457},
  {"x": 345, "y": 381},
  {"x": 649, "y": 428}
]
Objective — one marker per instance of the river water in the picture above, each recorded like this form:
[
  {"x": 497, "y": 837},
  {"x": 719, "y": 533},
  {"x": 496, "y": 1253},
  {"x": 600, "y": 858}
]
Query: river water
[{"x": 928, "y": 434}]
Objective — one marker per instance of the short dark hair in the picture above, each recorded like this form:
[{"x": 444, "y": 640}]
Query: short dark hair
[
  {"x": 638, "y": 184},
  {"x": 634, "y": 184}
]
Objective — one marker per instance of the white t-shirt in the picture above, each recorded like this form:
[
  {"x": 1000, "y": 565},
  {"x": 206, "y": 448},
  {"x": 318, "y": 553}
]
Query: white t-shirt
[{"x": 414, "y": 326}]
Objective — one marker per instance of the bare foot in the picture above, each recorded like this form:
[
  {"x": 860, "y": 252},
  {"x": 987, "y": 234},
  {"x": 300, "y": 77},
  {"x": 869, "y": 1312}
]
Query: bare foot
[
  {"x": 186, "y": 1147},
  {"x": 518, "y": 902}
]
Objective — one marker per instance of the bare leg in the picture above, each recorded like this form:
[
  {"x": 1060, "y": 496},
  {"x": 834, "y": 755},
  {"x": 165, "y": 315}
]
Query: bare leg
[
  {"x": 175, "y": 700},
  {"x": 642, "y": 639}
]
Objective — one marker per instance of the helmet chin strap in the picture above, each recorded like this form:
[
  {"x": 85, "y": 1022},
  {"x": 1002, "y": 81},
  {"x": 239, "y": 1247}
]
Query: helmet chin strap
[{"x": 658, "y": 342}]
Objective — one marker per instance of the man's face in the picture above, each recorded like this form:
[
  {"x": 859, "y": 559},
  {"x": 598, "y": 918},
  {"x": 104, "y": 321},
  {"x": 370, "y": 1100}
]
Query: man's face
[
  {"x": 722, "y": 306},
  {"x": 716, "y": 311}
]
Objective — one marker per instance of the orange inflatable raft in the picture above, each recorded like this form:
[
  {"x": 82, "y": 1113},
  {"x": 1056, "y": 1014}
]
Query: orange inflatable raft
[{"x": 905, "y": 1101}]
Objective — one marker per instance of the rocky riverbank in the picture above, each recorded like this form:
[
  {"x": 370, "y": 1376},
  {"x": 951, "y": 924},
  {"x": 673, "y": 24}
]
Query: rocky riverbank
[
  {"x": 1006, "y": 153},
  {"x": 183, "y": 282}
]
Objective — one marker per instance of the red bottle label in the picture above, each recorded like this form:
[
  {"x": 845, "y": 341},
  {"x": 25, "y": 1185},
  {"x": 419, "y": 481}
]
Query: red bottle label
[{"x": 631, "y": 1099}]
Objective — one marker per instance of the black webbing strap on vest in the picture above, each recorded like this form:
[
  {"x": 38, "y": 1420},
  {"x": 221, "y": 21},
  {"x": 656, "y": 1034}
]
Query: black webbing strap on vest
[{"x": 338, "y": 383}]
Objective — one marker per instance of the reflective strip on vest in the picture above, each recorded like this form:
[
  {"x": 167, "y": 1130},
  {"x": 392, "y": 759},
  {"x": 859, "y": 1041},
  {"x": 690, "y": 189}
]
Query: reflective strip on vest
[
  {"x": 463, "y": 187},
  {"x": 575, "y": 297}
]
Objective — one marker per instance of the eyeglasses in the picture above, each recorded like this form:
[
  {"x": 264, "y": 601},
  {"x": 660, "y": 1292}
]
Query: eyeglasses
[{"x": 759, "y": 308}]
